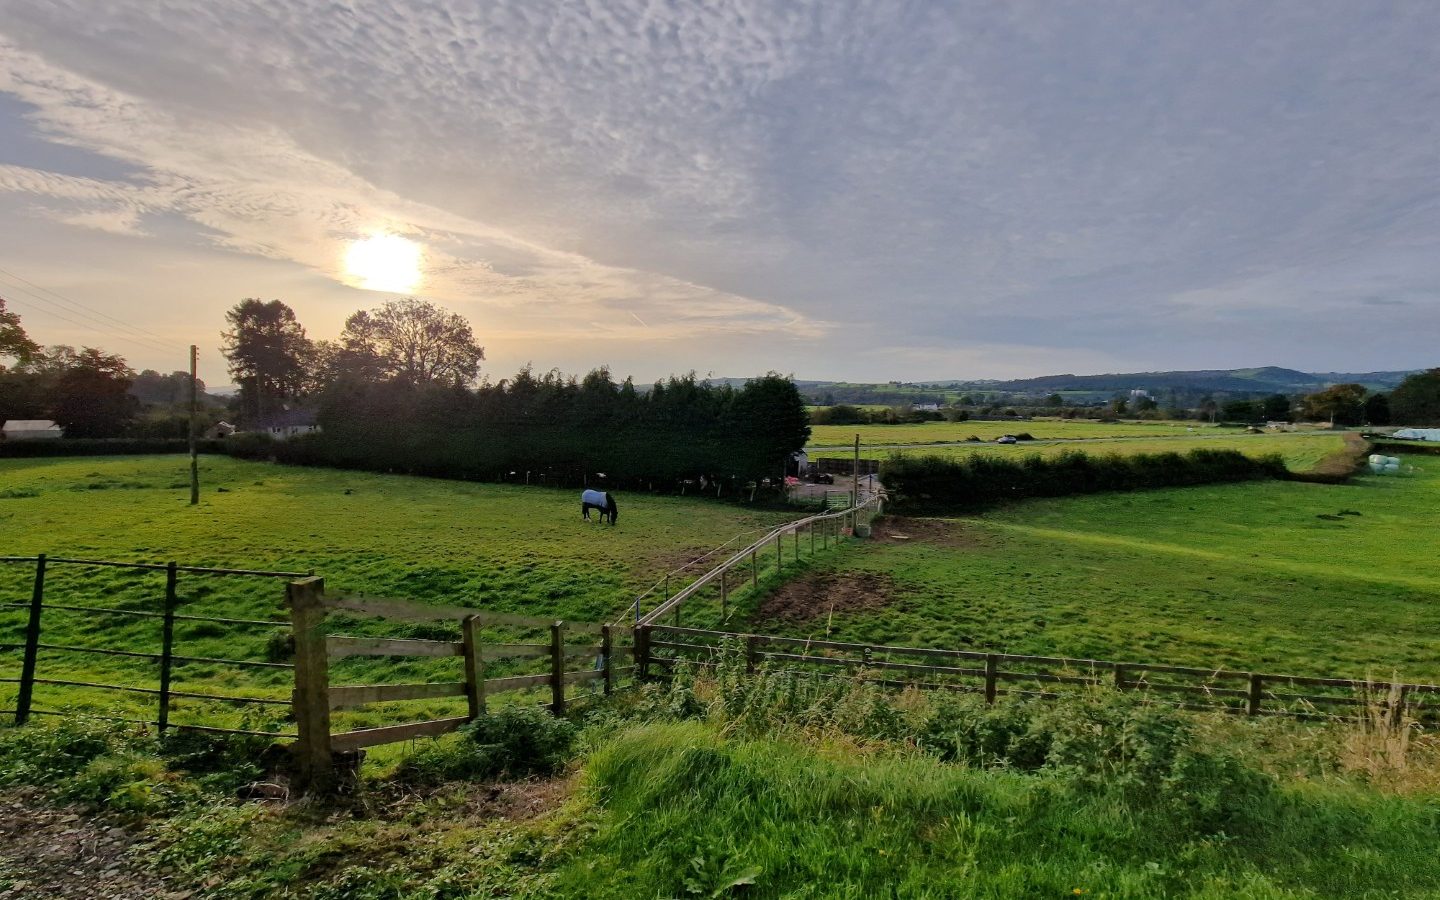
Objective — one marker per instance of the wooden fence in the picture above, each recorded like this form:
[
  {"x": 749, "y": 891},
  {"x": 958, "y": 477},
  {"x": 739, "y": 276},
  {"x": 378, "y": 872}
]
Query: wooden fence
[
  {"x": 666, "y": 648},
  {"x": 315, "y": 697},
  {"x": 716, "y": 585},
  {"x": 167, "y": 608}
]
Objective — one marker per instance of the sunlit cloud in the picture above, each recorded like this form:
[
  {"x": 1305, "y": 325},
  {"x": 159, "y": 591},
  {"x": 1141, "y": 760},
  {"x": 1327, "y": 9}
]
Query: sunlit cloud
[{"x": 384, "y": 262}]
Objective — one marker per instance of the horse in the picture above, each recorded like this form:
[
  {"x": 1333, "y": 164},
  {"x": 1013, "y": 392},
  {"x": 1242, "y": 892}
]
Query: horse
[{"x": 599, "y": 500}]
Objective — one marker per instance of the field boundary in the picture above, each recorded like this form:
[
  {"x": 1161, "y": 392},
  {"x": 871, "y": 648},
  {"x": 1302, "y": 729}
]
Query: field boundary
[
  {"x": 1342, "y": 465},
  {"x": 830, "y": 526},
  {"x": 672, "y": 648}
]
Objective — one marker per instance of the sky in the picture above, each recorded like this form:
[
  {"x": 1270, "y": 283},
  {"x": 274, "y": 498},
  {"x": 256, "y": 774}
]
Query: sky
[{"x": 848, "y": 191}]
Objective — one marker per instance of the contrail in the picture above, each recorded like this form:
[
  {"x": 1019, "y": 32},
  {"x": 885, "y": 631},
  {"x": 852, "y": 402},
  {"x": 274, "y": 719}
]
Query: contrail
[{"x": 638, "y": 319}]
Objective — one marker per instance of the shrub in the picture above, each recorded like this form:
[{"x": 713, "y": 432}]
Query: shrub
[
  {"x": 936, "y": 484},
  {"x": 515, "y": 742},
  {"x": 49, "y": 752}
]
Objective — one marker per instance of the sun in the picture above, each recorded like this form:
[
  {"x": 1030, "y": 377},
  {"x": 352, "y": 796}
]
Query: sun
[{"x": 384, "y": 262}]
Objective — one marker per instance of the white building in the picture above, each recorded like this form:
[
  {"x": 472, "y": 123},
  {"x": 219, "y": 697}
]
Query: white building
[{"x": 31, "y": 430}]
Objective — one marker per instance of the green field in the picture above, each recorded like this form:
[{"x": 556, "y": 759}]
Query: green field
[
  {"x": 497, "y": 547},
  {"x": 1300, "y": 451},
  {"x": 1041, "y": 429},
  {"x": 1246, "y": 576}
]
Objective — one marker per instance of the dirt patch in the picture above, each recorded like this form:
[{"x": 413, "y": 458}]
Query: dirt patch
[
  {"x": 940, "y": 532},
  {"x": 61, "y": 851},
  {"x": 821, "y": 595},
  {"x": 1340, "y": 465}
]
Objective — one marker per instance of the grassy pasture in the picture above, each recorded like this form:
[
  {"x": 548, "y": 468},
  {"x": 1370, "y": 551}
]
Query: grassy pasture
[
  {"x": 1042, "y": 429},
  {"x": 1300, "y": 451},
  {"x": 1247, "y": 576},
  {"x": 493, "y": 546}
]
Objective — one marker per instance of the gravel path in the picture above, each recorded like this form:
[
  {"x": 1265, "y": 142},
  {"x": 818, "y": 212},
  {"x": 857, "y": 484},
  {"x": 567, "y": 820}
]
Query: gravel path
[{"x": 61, "y": 852}]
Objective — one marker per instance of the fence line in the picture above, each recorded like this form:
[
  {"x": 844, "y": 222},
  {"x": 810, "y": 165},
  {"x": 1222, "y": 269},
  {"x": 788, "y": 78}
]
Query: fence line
[
  {"x": 669, "y": 647},
  {"x": 165, "y": 657},
  {"x": 830, "y": 525}
]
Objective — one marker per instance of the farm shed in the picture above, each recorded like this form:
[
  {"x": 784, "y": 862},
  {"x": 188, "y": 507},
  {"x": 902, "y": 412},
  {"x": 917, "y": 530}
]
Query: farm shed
[
  {"x": 1418, "y": 434},
  {"x": 287, "y": 424},
  {"x": 31, "y": 430}
]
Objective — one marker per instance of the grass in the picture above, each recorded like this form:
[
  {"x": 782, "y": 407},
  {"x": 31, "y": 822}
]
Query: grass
[
  {"x": 1301, "y": 452},
  {"x": 1041, "y": 429},
  {"x": 493, "y": 546},
  {"x": 1263, "y": 576}
]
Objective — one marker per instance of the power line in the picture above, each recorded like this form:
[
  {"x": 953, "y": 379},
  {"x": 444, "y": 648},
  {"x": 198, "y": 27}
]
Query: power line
[
  {"x": 75, "y": 307},
  {"x": 93, "y": 325}
]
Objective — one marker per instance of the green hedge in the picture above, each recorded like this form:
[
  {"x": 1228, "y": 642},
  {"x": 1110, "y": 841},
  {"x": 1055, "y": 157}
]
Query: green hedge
[
  {"x": 103, "y": 447},
  {"x": 937, "y": 484}
]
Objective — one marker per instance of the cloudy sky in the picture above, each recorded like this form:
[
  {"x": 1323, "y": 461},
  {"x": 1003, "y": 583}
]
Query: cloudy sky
[{"x": 870, "y": 191}]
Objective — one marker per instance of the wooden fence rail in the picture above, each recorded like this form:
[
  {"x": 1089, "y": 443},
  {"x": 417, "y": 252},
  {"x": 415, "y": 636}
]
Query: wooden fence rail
[
  {"x": 829, "y": 526},
  {"x": 318, "y": 746},
  {"x": 668, "y": 648}
]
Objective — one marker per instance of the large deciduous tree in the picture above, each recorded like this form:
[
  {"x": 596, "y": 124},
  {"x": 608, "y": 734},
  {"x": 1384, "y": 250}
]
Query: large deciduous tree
[
  {"x": 90, "y": 392},
  {"x": 1341, "y": 404},
  {"x": 1416, "y": 401},
  {"x": 411, "y": 341},
  {"x": 269, "y": 355},
  {"x": 15, "y": 344}
]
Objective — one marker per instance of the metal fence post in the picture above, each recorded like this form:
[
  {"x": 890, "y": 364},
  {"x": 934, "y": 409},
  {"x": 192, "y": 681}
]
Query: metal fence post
[
  {"x": 32, "y": 644},
  {"x": 311, "y": 700},
  {"x": 167, "y": 647},
  {"x": 557, "y": 668}
]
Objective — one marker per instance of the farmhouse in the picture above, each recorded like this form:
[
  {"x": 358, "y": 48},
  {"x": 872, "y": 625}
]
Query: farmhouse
[
  {"x": 287, "y": 424},
  {"x": 31, "y": 430},
  {"x": 220, "y": 430}
]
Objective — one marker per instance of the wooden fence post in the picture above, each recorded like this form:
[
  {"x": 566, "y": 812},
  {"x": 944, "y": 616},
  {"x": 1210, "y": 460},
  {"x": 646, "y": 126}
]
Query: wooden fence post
[
  {"x": 752, "y": 654},
  {"x": 1252, "y": 706},
  {"x": 724, "y": 595},
  {"x": 811, "y": 529},
  {"x": 311, "y": 700},
  {"x": 642, "y": 652},
  {"x": 796, "y": 532},
  {"x": 557, "y": 668},
  {"x": 1119, "y": 678},
  {"x": 779, "y": 553},
  {"x": 607, "y": 644},
  {"x": 991, "y": 664},
  {"x": 474, "y": 668},
  {"x": 32, "y": 644},
  {"x": 754, "y": 571},
  {"x": 167, "y": 647}
]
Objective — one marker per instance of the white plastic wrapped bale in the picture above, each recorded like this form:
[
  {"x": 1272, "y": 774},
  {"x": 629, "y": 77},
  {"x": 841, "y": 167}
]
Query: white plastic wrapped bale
[
  {"x": 1384, "y": 465},
  {"x": 1418, "y": 434}
]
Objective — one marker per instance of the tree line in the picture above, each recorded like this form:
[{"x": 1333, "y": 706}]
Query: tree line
[{"x": 399, "y": 390}]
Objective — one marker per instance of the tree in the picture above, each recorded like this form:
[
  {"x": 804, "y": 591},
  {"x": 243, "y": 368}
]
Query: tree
[
  {"x": 270, "y": 356},
  {"x": 1119, "y": 405},
  {"x": 1238, "y": 410},
  {"x": 90, "y": 397},
  {"x": 1377, "y": 409},
  {"x": 14, "y": 342},
  {"x": 1054, "y": 400},
  {"x": 412, "y": 341},
  {"x": 1339, "y": 403},
  {"x": 1416, "y": 401},
  {"x": 1275, "y": 408}
]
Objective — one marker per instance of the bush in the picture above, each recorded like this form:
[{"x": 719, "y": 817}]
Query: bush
[
  {"x": 104, "y": 447},
  {"x": 515, "y": 742},
  {"x": 47, "y": 753},
  {"x": 935, "y": 484}
]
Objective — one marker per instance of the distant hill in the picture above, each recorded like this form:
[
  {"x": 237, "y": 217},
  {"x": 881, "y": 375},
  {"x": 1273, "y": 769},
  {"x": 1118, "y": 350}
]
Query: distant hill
[{"x": 1266, "y": 379}]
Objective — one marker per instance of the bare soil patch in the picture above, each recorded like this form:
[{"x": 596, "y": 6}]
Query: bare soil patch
[
  {"x": 820, "y": 595},
  {"x": 940, "y": 532}
]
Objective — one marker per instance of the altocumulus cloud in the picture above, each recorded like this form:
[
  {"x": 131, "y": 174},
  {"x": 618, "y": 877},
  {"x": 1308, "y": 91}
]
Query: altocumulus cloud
[{"x": 947, "y": 189}]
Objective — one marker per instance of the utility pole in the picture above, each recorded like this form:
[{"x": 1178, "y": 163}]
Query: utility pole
[{"x": 194, "y": 456}]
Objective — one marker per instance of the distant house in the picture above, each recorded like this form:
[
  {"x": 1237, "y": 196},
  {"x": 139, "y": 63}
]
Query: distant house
[
  {"x": 287, "y": 424},
  {"x": 31, "y": 430},
  {"x": 926, "y": 407},
  {"x": 220, "y": 430}
]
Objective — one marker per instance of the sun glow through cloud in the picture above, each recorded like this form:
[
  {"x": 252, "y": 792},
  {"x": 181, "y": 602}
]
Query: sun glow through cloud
[{"x": 384, "y": 262}]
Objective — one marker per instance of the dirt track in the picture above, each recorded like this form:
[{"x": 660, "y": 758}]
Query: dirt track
[{"x": 59, "y": 851}]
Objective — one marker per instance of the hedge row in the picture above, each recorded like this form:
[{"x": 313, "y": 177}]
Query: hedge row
[
  {"x": 939, "y": 485},
  {"x": 103, "y": 447}
]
